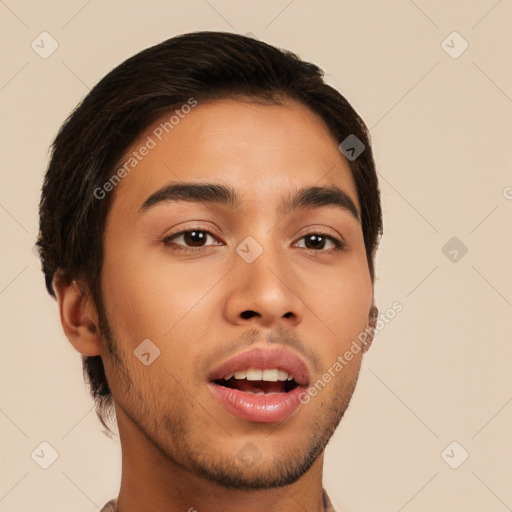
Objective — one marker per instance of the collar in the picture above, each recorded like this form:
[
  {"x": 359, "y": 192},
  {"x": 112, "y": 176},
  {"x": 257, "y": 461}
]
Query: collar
[{"x": 110, "y": 506}]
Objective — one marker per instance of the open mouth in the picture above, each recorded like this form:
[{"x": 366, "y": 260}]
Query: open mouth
[
  {"x": 262, "y": 385},
  {"x": 259, "y": 382}
]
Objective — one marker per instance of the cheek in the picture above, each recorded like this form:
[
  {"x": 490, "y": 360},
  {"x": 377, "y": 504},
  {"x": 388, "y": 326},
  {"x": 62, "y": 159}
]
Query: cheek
[
  {"x": 343, "y": 304},
  {"x": 150, "y": 297}
]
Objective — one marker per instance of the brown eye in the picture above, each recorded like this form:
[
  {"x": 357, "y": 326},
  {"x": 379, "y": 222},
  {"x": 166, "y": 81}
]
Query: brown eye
[
  {"x": 315, "y": 241},
  {"x": 190, "y": 238},
  {"x": 318, "y": 241},
  {"x": 195, "y": 238}
]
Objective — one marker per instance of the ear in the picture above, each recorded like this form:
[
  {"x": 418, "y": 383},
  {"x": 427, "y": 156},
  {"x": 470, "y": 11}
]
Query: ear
[
  {"x": 370, "y": 327},
  {"x": 78, "y": 316}
]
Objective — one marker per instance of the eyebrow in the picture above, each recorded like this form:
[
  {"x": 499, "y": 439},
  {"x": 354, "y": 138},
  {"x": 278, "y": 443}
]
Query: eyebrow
[{"x": 307, "y": 197}]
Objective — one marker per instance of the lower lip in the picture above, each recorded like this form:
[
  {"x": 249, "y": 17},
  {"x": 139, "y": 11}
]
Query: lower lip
[{"x": 257, "y": 408}]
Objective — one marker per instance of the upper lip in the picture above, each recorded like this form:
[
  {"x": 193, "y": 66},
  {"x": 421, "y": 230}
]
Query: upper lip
[{"x": 262, "y": 359}]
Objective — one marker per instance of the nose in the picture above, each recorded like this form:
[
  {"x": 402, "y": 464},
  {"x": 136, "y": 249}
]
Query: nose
[{"x": 263, "y": 293}]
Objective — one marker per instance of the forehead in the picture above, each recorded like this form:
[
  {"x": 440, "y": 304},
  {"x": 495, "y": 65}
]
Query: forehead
[{"x": 260, "y": 150}]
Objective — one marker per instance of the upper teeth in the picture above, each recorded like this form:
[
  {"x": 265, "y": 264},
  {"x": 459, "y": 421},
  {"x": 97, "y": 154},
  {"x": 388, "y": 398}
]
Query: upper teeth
[{"x": 271, "y": 375}]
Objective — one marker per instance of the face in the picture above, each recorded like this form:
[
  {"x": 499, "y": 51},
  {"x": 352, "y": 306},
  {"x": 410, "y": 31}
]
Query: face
[{"x": 244, "y": 297}]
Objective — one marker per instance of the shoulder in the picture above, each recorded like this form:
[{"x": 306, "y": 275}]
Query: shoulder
[
  {"x": 328, "y": 507},
  {"x": 109, "y": 507}
]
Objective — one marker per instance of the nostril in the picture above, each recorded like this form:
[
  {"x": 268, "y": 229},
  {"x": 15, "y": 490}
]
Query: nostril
[
  {"x": 248, "y": 314},
  {"x": 288, "y": 315}
]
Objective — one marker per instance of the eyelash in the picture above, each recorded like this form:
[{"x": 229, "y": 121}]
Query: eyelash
[{"x": 339, "y": 245}]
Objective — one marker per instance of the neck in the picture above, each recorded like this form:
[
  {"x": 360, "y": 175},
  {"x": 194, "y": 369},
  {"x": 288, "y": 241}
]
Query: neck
[{"x": 152, "y": 481}]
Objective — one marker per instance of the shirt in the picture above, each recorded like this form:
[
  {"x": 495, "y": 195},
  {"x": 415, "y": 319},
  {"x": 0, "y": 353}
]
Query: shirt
[{"x": 110, "y": 506}]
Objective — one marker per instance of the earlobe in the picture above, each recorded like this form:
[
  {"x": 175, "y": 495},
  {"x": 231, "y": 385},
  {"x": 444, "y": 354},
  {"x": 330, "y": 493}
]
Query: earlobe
[
  {"x": 370, "y": 328},
  {"x": 78, "y": 316}
]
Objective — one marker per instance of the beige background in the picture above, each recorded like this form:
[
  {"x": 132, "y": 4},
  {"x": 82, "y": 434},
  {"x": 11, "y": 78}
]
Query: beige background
[{"x": 441, "y": 128}]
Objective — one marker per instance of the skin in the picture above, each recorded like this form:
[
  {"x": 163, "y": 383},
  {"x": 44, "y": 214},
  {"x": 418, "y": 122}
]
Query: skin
[{"x": 180, "y": 446}]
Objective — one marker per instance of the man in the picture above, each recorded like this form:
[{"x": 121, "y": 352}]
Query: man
[{"x": 208, "y": 225}]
